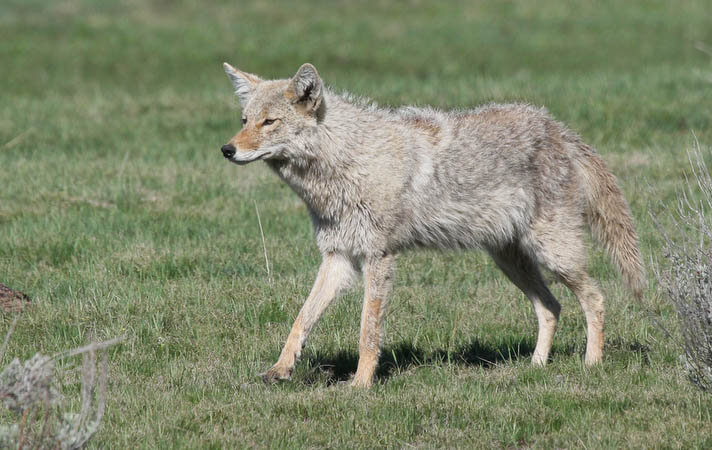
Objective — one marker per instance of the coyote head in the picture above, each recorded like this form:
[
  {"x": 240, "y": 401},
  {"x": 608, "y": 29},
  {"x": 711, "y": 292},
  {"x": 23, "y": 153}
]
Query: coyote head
[{"x": 274, "y": 113}]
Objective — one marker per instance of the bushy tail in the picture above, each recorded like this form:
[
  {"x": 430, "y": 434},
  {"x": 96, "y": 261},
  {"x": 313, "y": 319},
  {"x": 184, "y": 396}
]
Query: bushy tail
[{"x": 610, "y": 219}]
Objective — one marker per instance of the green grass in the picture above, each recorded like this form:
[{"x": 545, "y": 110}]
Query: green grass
[{"x": 119, "y": 216}]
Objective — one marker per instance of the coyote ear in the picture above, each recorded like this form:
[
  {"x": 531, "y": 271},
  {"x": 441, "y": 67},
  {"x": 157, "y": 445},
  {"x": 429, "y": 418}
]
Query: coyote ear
[
  {"x": 305, "y": 88},
  {"x": 244, "y": 82}
]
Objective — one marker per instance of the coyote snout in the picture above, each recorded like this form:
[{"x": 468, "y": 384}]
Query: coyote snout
[
  {"x": 508, "y": 179},
  {"x": 228, "y": 150}
]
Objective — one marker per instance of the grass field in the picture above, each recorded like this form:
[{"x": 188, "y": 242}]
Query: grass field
[{"x": 119, "y": 216}]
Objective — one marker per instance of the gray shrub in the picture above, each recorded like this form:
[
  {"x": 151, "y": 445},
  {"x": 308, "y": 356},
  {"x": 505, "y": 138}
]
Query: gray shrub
[
  {"x": 34, "y": 404},
  {"x": 687, "y": 278}
]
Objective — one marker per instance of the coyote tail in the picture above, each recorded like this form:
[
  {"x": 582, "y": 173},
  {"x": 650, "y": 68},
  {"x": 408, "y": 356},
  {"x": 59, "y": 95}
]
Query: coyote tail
[{"x": 610, "y": 220}]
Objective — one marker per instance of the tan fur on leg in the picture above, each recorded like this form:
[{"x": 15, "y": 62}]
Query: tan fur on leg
[
  {"x": 336, "y": 273},
  {"x": 378, "y": 276},
  {"x": 524, "y": 273},
  {"x": 591, "y": 300}
]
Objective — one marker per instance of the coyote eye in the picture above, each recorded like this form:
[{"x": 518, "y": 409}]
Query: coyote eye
[
  {"x": 244, "y": 120},
  {"x": 268, "y": 121}
]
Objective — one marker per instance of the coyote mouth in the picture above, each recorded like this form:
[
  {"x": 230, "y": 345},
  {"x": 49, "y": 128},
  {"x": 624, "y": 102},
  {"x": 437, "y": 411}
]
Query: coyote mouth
[{"x": 242, "y": 158}]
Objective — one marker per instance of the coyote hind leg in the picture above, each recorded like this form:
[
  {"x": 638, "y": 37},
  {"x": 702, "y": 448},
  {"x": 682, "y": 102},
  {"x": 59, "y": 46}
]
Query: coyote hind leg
[
  {"x": 589, "y": 295},
  {"x": 522, "y": 270},
  {"x": 560, "y": 247}
]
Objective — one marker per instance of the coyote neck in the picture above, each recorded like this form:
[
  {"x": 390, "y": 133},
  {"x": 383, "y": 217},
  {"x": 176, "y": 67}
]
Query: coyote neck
[
  {"x": 325, "y": 193},
  {"x": 329, "y": 170},
  {"x": 323, "y": 175}
]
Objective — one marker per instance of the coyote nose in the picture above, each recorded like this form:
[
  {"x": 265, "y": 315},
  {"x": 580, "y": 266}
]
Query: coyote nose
[{"x": 228, "y": 150}]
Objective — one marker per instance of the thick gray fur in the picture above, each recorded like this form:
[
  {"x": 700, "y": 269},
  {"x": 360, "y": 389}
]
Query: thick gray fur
[{"x": 508, "y": 179}]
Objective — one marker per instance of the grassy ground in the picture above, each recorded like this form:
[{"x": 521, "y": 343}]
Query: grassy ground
[{"x": 119, "y": 216}]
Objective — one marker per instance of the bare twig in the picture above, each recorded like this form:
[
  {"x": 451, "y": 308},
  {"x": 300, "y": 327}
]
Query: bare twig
[
  {"x": 703, "y": 48},
  {"x": 93, "y": 347},
  {"x": 88, "y": 382},
  {"x": 92, "y": 202},
  {"x": 264, "y": 246},
  {"x": 122, "y": 167},
  {"x": 21, "y": 434},
  {"x": 17, "y": 139},
  {"x": 7, "y": 337},
  {"x": 101, "y": 395}
]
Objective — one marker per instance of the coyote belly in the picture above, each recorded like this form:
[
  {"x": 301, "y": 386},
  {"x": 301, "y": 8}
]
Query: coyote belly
[{"x": 508, "y": 179}]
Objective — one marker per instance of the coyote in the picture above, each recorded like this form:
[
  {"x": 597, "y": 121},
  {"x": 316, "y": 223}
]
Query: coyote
[{"x": 508, "y": 179}]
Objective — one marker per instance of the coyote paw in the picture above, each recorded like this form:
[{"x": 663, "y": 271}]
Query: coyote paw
[
  {"x": 361, "y": 383},
  {"x": 276, "y": 373}
]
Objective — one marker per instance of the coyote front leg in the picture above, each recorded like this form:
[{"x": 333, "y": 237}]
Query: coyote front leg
[
  {"x": 378, "y": 280},
  {"x": 335, "y": 274}
]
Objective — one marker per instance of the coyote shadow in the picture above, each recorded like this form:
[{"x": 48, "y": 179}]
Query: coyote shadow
[{"x": 340, "y": 367}]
